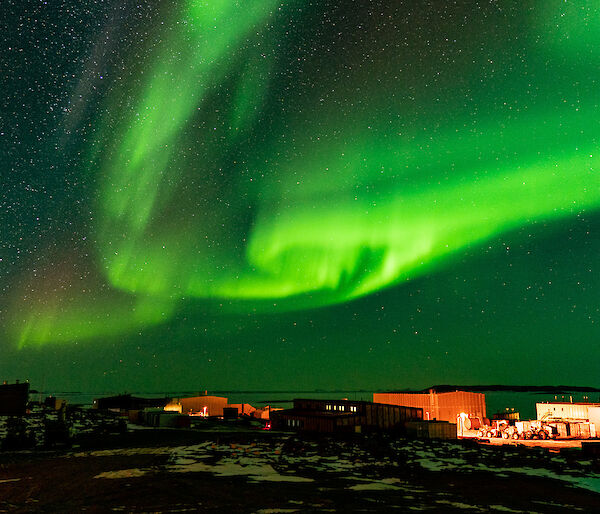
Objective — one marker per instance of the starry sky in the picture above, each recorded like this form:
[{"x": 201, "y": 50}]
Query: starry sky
[{"x": 298, "y": 195}]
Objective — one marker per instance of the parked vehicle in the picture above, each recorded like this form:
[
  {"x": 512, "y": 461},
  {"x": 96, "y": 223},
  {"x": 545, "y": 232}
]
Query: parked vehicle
[
  {"x": 533, "y": 430},
  {"x": 520, "y": 430},
  {"x": 497, "y": 429},
  {"x": 510, "y": 432}
]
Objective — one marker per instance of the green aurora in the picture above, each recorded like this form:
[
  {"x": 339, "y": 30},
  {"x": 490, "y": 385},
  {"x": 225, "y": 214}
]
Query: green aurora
[{"x": 229, "y": 167}]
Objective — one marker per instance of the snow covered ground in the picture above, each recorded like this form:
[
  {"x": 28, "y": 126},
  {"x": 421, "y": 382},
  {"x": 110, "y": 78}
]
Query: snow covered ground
[
  {"x": 453, "y": 476},
  {"x": 298, "y": 460}
]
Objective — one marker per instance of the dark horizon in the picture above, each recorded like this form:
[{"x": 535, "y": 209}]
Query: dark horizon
[{"x": 437, "y": 388}]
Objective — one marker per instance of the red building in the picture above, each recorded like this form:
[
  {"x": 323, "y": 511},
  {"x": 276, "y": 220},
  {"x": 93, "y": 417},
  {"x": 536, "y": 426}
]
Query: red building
[{"x": 446, "y": 406}]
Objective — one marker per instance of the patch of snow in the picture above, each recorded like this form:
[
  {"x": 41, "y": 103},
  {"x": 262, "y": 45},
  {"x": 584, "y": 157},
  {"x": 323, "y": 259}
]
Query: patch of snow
[
  {"x": 502, "y": 508},
  {"x": 254, "y": 471},
  {"x": 459, "y": 505},
  {"x": 124, "y": 452},
  {"x": 395, "y": 483},
  {"x": 590, "y": 482},
  {"x": 378, "y": 485},
  {"x": 440, "y": 464},
  {"x": 274, "y": 511},
  {"x": 560, "y": 505},
  {"x": 122, "y": 473}
]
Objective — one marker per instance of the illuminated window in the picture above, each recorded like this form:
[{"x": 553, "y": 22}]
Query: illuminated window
[
  {"x": 328, "y": 407},
  {"x": 353, "y": 408}
]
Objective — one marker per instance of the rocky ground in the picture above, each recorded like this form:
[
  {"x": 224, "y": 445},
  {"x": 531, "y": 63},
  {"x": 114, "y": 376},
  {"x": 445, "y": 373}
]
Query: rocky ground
[{"x": 256, "y": 471}]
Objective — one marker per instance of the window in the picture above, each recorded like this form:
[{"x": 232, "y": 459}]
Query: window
[
  {"x": 328, "y": 407},
  {"x": 353, "y": 408}
]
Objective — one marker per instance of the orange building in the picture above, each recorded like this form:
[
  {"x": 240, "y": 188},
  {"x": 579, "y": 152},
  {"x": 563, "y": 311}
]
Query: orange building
[
  {"x": 203, "y": 405},
  {"x": 446, "y": 406},
  {"x": 244, "y": 409},
  {"x": 265, "y": 412}
]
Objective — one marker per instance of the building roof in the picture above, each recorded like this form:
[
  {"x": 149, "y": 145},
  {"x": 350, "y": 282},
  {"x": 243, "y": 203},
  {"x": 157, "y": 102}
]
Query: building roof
[
  {"x": 433, "y": 390},
  {"x": 338, "y": 400},
  {"x": 589, "y": 404},
  {"x": 318, "y": 413},
  {"x": 204, "y": 396}
]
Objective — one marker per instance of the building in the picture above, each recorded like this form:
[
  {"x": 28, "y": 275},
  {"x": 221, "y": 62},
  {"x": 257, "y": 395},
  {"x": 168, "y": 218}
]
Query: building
[
  {"x": 564, "y": 410},
  {"x": 265, "y": 412},
  {"x": 507, "y": 413},
  {"x": 126, "y": 402},
  {"x": 444, "y": 406},
  {"x": 205, "y": 405},
  {"x": 431, "y": 429},
  {"x": 173, "y": 406},
  {"x": 162, "y": 418},
  {"x": 243, "y": 409},
  {"x": 329, "y": 416},
  {"x": 14, "y": 398},
  {"x": 55, "y": 403},
  {"x": 594, "y": 417}
]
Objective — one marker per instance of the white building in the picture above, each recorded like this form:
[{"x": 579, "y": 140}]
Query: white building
[{"x": 564, "y": 410}]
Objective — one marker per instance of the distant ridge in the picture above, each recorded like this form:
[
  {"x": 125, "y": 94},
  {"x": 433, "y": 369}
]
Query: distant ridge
[{"x": 445, "y": 388}]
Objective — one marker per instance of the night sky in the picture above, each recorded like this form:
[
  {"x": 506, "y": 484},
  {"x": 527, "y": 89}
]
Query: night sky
[{"x": 262, "y": 195}]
